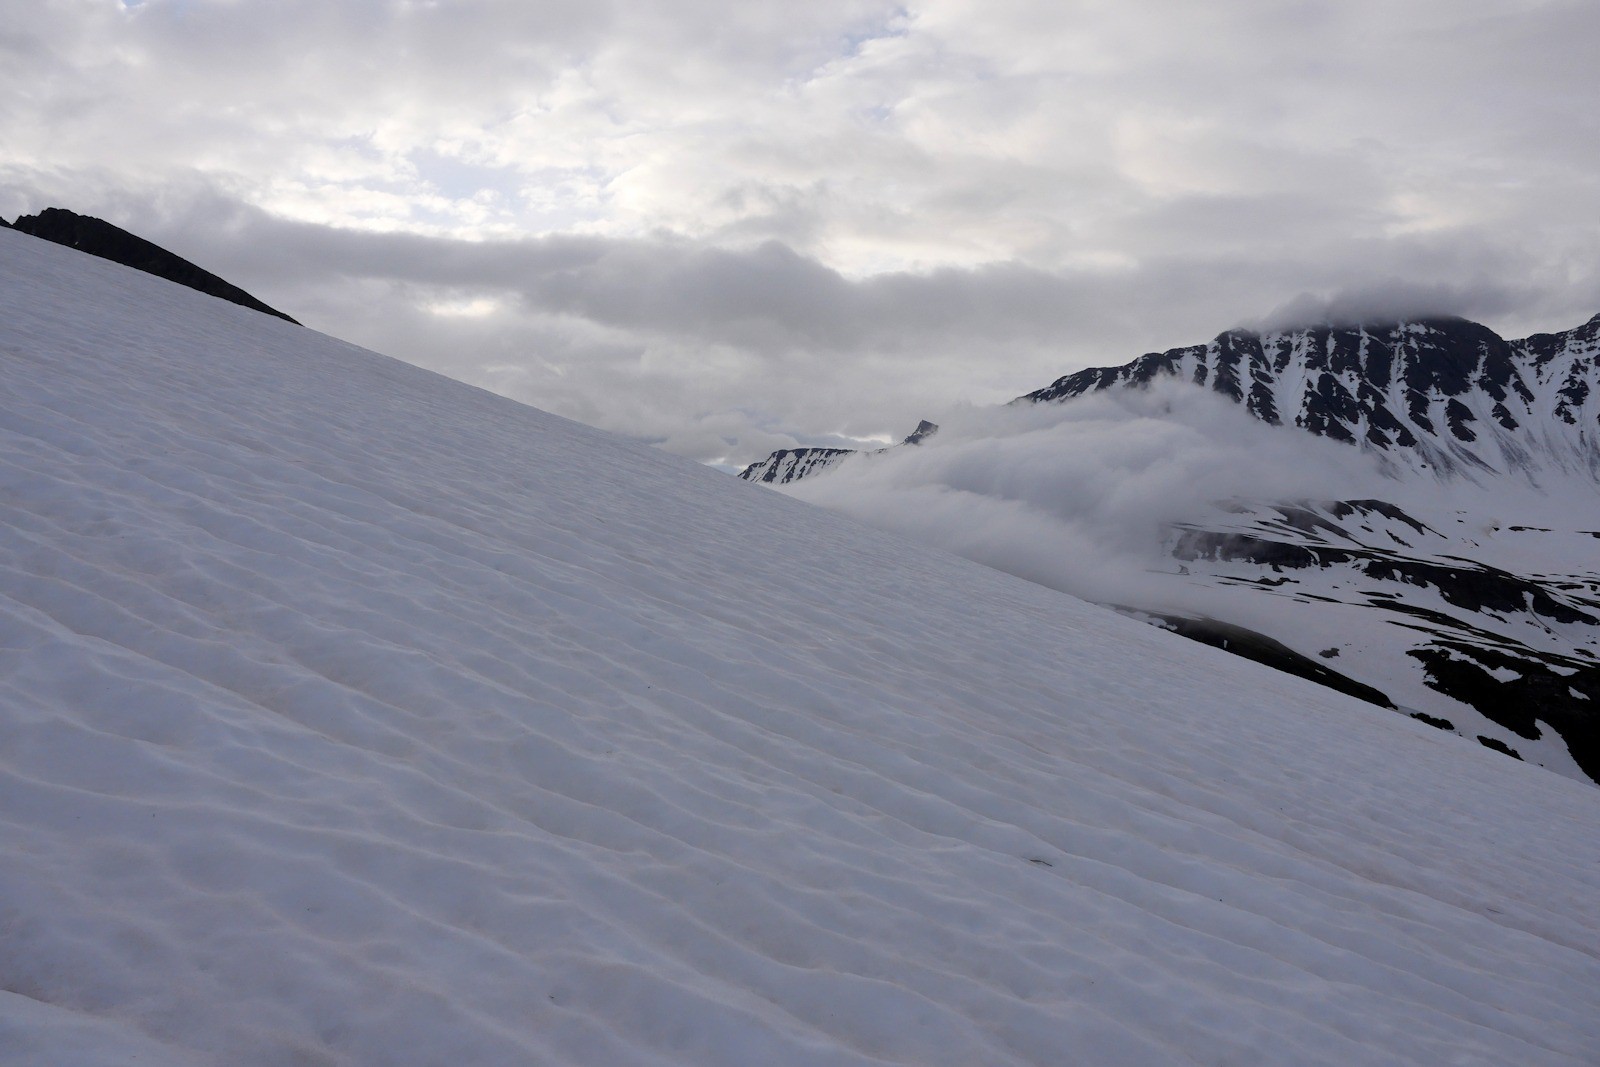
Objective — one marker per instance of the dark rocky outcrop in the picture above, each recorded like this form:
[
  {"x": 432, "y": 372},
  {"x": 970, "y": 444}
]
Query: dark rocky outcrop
[
  {"x": 100, "y": 238},
  {"x": 1515, "y": 690},
  {"x": 1472, "y": 586},
  {"x": 1259, "y": 648},
  {"x": 1499, "y": 746}
]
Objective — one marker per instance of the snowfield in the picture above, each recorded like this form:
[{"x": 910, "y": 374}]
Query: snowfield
[{"x": 350, "y": 715}]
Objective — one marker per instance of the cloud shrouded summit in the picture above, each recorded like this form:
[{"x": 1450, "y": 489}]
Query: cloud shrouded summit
[{"x": 873, "y": 210}]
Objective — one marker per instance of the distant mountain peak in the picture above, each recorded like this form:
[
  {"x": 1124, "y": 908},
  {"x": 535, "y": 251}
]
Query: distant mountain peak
[
  {"x": 792, "y": 464},
  {"x": 1440, "y": 393}
]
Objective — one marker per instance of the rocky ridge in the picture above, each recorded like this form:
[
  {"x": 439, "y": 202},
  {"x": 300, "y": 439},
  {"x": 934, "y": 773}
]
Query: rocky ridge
[
  {"x": 1443, "y": 394},
  {"x": 100, "y": 238}
]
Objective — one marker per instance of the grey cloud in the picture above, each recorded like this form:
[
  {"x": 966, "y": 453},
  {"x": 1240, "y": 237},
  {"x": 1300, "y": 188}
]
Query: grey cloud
[
  {"x": 768, "y": 297},
  {"x": 1393, "y": 300}
]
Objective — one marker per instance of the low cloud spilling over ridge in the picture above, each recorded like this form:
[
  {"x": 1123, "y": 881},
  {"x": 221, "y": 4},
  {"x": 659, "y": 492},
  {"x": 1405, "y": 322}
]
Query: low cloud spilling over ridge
[{"x": 1077, "y": 496}]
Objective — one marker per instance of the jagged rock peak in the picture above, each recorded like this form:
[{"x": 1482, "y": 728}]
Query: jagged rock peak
[
  {"x": 100, "y": 238},
  {"x": 791, "y": 464},
  {"x": 1441, "y": 393}
]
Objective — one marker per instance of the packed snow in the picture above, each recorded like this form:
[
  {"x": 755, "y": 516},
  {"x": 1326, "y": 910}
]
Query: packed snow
[{"x": 349, "y": 715}]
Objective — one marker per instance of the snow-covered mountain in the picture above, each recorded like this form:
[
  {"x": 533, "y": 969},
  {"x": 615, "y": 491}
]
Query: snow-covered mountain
[
  {"x": 1442, "y": 395},
  {"x": 1468, "y": 596},
  {"x": 791, "y": 464},
  {"x": 350, "y": 716},
  {"x": 1517, "y": 648}
]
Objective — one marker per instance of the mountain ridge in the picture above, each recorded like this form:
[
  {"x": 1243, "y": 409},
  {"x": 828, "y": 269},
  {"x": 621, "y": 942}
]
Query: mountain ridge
[
  {"x": 1441, "y": 394},
  {"x": 1446, "y": 394},
  {"x": 97, "y": 237},
  {"x": 791, "y": 464}
]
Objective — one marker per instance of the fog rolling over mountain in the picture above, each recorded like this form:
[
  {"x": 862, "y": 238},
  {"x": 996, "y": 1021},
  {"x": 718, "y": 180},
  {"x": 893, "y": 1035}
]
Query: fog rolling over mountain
[
  {"x": 1409, "y": 512},
  {"x": 352, "y": 716}
]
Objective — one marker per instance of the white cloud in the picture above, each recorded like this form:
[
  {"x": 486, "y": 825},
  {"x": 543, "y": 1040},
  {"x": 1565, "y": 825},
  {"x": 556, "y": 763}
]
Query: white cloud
[{"x": 1078, "y": 496}]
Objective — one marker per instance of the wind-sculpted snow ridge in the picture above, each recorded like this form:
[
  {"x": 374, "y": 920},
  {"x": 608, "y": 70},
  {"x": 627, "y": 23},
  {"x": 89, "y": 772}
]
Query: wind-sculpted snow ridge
[
  {"x": 349, "y": 715},
  {"x": 1445, "y": 395}
]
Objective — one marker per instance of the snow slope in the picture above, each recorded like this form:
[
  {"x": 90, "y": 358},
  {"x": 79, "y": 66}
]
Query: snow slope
[{"x": 349, "y": 715}]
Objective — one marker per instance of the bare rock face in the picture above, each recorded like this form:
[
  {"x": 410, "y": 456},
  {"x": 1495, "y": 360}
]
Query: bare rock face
[{"x": 100, "y": 238}]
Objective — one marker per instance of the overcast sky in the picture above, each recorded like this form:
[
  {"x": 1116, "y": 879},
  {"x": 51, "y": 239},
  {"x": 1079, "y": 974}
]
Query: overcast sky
[{"x": 733, "y": 227}]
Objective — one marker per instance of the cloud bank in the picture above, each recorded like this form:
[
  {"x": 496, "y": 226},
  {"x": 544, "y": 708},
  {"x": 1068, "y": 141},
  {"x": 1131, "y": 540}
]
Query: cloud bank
[{"x": 1078, "y": 496}]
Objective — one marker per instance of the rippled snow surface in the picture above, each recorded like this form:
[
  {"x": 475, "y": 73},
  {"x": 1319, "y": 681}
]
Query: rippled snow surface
[{"x": 349, "y": 715}]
